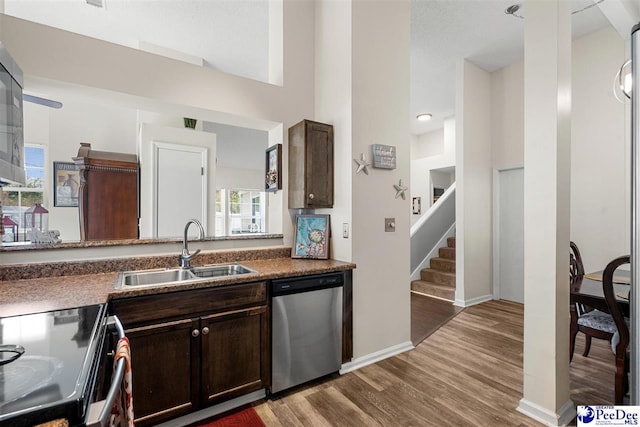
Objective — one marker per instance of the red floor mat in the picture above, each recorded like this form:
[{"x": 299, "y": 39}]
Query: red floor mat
[{"x": 247, "y": 417}]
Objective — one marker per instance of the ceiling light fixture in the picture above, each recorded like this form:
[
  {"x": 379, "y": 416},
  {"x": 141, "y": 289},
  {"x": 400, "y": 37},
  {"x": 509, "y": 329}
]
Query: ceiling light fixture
[
  {"x": 424, "y": 117},
  {"x": 511, "y": 10},
  {"x": 96, "y": 3},
  {"x": 514, "y": 8}
]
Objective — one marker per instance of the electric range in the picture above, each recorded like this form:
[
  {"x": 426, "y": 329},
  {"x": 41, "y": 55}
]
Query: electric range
[{"x": 49, "y": 365}]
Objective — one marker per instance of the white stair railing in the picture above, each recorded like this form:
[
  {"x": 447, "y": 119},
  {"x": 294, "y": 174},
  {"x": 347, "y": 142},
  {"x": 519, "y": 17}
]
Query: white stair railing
[{"x": 428, "y": 232}]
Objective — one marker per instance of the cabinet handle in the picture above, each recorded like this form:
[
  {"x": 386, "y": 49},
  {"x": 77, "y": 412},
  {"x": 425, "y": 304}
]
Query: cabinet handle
[
  {"x": 311, "y": 196},
  {"x": 205, "y": 330},
  {"x": 195, "y": 333}
]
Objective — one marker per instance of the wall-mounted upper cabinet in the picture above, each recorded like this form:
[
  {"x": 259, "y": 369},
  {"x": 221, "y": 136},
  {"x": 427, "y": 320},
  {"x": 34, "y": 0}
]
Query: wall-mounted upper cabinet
[{"x": 310, "y": 165}]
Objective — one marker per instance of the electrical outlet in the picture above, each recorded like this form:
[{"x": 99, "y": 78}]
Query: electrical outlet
[
  {"x": 390, "y": 225},
  {"x": 345, "y": 230}
]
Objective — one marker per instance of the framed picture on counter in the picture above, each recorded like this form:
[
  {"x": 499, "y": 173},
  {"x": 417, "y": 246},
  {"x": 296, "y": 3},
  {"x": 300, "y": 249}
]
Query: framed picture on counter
[
  {"x": 66, "y": 184},
  {"x": 273, "y": 168},
  {"x": 311, "y": 237}
]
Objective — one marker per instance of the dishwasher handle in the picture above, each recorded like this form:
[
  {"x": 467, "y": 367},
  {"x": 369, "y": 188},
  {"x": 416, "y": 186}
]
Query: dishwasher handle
[
  {"x": 100, "y": 412},
  {"x": 294, "y": 285}
]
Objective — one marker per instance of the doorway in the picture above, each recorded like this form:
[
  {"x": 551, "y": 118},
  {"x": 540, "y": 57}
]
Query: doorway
[
  {"x": 180, "y": 187},
  {"x": 508, "y": 249}
]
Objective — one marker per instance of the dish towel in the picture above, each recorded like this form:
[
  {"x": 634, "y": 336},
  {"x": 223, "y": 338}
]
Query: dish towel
[{"x": 122, "y": 411}]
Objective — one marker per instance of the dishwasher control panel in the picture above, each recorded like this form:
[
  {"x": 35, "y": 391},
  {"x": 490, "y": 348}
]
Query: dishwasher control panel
[{"x": 306, "y": 283}]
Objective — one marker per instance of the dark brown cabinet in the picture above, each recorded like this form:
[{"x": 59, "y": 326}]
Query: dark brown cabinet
[
  {"x": 108, "y": 194},
  {"x": 192, "y": 349},
  {"x": 310, "y": 165},
  {"x": 233, "y": 348}
]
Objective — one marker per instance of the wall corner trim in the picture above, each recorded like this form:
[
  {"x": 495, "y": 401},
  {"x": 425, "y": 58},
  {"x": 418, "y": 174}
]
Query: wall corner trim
[
  {"x": 472, "y": 301},
  {"x": 375, "y": 357},
  {"x": 564, "y": 416}
]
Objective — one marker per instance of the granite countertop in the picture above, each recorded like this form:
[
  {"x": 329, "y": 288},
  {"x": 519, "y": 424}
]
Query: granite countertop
[{"x": 57, "y": 293}]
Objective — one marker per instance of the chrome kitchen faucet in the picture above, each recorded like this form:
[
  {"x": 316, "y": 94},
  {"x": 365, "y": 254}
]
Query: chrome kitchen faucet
[{"x": 185, "y": 256}]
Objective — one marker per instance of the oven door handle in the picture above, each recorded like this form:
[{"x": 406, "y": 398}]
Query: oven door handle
[{"x": 100, "y": 412}]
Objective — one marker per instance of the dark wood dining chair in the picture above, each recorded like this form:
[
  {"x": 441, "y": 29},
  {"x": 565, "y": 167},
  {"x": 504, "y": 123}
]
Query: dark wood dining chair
[
  {"x": 592, "y": 323},
  {"x": 621, "y": 348}
]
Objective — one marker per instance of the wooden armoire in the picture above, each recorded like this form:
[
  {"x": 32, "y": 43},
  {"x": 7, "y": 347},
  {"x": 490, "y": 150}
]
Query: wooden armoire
[{"x": 108, "y": 195}]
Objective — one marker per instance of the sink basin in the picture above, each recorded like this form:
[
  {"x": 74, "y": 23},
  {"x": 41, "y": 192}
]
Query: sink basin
[
  {"x": 221, "y": 270},
  {"x": 178, "y": 275},
  {"x": 153, "y": 277}
]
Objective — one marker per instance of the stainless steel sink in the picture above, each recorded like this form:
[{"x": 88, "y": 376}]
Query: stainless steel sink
[
  {"x": 179, "y": 275},
  {"x": 221, "y": 270}
]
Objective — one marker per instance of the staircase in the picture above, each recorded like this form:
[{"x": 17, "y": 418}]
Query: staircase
[{"x": 440, "y": 279}]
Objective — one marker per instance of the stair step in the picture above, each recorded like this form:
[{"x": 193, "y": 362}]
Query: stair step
[
  {"x": 429, "y": 288},
  {"x": 438, "y": 277},
  {"x": 443, "y": 264},
  {"x": 451, "y": 242},
  {"x": 448, "y": 253}
]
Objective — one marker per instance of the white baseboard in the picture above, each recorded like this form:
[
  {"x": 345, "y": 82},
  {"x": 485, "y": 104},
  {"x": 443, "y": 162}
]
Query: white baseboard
[
  {"x": 472, "y": 301},
  {"x": 377, "y": 356},
  {"x": 564, "y": 416}
]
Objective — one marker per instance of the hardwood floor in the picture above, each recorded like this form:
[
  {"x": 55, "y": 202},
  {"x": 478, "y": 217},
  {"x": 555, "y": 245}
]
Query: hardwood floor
[
  {"x": 467, "y": 373},
  {"x": 428, "y": 314}
]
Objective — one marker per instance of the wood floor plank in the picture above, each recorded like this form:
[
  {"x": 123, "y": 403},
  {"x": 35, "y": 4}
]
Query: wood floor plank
[
  {"x": 467, "y": 373},
  {"x": 338, "y": 410},
  {"x": 428, "y": 314}
]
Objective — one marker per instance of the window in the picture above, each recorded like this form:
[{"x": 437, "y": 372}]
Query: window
[
  {"x": 18, "y": 198},
  {"x": 240, "y": 212}
]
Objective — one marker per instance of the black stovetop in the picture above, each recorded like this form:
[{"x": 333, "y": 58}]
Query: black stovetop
[{"x": 53, "y": 377}]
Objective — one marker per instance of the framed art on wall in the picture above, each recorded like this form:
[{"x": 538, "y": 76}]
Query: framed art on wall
[
  {"x": 66, "y": 184},
  {"x": 273, "y": 168},
  {"x": 311, "y": 237}
]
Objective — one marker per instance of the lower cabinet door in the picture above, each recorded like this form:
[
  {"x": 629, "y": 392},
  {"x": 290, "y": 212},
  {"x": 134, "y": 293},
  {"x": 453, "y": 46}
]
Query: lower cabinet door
[
  {"x": 165, "y": 370},
  {"x": 234, "y": 353}
]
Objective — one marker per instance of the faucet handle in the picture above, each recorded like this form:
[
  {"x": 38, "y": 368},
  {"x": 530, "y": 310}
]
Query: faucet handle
[{"x": 189, "y": 256}]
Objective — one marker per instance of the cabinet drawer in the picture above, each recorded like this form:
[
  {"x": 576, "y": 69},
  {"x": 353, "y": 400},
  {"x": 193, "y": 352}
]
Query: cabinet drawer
[{"x": 149, "y": 308}]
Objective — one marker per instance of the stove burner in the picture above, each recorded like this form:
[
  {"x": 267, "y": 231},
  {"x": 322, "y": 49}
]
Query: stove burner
[
  {"x": 28, "y": 376},
  {"x": 18, "y": 350}
]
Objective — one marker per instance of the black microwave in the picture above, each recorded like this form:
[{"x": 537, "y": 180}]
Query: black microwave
[{"x": 11, "y": 122}]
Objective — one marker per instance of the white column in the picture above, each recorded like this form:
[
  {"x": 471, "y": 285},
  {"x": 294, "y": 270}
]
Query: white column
[
  {"x": 473, "y": 184},
  {"x": 546, "y": 212}
]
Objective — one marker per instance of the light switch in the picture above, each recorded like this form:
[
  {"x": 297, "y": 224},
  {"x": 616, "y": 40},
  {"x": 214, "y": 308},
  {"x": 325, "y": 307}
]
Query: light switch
[
  {"x": 345, "y": 230},
  {"x": 389, "y": 224}
]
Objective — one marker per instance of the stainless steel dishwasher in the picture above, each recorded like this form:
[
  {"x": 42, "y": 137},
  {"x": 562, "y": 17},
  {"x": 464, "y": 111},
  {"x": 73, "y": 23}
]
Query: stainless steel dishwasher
[{"x": 306, "y": 329}]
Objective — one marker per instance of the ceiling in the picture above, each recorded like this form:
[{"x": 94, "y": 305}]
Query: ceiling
[{"x": 232, "y": 36}]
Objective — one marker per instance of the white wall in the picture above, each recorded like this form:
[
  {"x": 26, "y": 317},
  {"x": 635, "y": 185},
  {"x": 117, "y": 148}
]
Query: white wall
[
  {"x": 380, "y": 110},
  {"x": 333, "y": 105},
  {"x": 431, "y": 151},
  {"x": 507, "y": 116},
  {"x": 600, "y": 188},
  {"x": 152, "y": 83},
  {"x": 473, "y": 185},
  {"x": 61, "y": 131},
  {"x": 599, "y": 153},
  {"x": 428, "y": 144}
]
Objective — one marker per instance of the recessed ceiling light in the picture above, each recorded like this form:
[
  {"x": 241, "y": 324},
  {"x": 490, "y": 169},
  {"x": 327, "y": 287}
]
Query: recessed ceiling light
[{"x": 423, "y": 117}]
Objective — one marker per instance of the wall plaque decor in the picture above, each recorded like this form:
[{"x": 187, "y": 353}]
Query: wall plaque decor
[
  {"x": 416, "y": 206},
  {"x": 384, "y": 156},
  {"x": 66, "y": 183},
  {"x": 273, "y": 168}
]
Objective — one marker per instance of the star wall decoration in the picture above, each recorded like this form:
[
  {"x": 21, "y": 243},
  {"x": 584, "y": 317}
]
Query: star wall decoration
[
  {"x": 362, "y": 165},
  {"x": 400, "y": 190}
]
